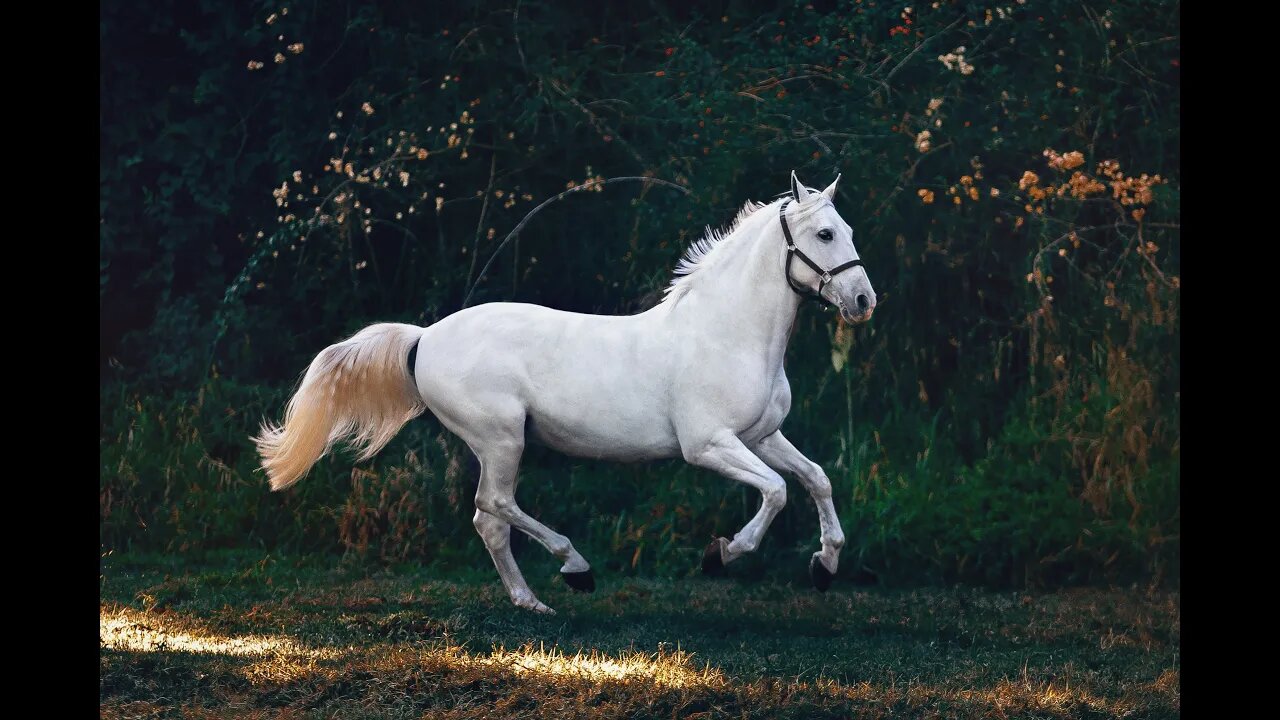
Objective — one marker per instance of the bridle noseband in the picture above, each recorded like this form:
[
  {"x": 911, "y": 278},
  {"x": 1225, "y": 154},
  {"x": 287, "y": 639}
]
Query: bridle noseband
[{"x": 825, "y": 276}]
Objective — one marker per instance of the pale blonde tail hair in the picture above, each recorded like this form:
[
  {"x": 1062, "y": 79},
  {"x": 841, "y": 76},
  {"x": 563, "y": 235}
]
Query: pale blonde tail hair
[{"x": 360, "y": 387}]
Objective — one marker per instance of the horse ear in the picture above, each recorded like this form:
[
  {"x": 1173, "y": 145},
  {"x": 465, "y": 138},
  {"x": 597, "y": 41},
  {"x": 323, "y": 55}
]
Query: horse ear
[
  {"x": 799, "y": 192},
  {"x": 830, "y": 192}
]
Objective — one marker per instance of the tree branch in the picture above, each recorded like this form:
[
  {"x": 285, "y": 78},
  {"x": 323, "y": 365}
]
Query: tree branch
[{"x": 520, "y": 226}]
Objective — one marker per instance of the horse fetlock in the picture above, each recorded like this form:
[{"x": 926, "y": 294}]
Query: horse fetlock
[
  {"x": 575, "y": 563},
  {"x": 525, "y": 598},
  {"x": 560, "y": 546},
  {"x": 741, "y": 545}
]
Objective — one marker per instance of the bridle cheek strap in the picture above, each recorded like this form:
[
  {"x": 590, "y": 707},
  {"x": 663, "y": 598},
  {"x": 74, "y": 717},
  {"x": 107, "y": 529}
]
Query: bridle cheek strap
[{"x": 824, "y": 276}]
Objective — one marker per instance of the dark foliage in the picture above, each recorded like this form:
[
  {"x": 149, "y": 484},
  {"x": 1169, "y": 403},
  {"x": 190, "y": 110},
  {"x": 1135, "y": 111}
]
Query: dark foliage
[{"x": 1011, "y": 415}]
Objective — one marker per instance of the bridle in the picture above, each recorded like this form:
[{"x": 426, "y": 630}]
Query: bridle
[{"x": 825, "y": 276}]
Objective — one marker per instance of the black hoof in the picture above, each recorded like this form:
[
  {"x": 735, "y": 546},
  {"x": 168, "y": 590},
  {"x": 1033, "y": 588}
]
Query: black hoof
[
  {"x": 581, "y": 581},
  {"x": 712, "y": 565},
  {"x": 819, "y": 575}
]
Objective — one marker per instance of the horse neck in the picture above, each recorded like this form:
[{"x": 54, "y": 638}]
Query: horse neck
[{"x": 745, "y": 299}]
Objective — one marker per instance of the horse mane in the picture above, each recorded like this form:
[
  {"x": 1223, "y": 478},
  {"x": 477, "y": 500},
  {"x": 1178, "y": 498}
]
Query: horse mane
[{"x": 701, "y": 253}]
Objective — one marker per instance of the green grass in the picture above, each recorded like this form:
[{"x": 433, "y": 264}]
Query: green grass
[{"x": 252, "y": 636}]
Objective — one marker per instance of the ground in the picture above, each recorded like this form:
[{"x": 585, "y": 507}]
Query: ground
[{"x": 255, "y": 637}]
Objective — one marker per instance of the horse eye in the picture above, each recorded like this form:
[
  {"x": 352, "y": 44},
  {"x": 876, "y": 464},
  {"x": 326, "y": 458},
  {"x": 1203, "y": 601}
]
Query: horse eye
[{"x": 825, "y": 235}]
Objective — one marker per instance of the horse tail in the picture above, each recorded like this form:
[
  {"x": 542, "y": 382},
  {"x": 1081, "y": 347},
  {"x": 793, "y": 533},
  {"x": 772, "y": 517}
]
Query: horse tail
[{"x": 361, "y": 389}]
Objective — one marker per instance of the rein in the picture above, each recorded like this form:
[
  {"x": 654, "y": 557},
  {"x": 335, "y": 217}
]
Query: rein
[{"x": 825, "y": 276}]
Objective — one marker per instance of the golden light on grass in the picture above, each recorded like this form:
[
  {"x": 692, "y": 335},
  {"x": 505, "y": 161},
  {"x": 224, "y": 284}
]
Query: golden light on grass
[
  {"x": 1054, "y": 699},
  {"x": 418, "y": 671},
  {"x": 282, "y": 658},
  {"x": 125, "y": 629},
  {"x": 668, "y": 669},
  {"x": 1047, "y": 697}
]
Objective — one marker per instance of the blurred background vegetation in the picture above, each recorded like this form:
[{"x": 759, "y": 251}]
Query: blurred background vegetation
[{"x": 273, "y": 178}]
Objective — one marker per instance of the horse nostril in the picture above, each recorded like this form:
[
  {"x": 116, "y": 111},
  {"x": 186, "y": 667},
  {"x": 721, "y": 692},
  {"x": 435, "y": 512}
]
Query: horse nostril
[{"x": 863, "y": 303}]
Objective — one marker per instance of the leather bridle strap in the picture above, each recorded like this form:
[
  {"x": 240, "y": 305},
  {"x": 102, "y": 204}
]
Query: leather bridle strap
[{"x": 824, "y": 276}]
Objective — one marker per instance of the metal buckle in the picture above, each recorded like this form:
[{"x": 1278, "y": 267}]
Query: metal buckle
[{"x": 826, "y": 278}]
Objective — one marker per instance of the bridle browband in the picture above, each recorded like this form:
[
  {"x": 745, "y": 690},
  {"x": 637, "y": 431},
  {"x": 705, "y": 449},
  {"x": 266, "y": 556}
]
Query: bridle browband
[{"x": 824, "y": 276}]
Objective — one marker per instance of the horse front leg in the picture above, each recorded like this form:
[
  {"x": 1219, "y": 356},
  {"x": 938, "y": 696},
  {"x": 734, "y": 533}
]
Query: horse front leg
[
  {"x": 724, "y": 453},
  {"x": 778, "y": 453}
]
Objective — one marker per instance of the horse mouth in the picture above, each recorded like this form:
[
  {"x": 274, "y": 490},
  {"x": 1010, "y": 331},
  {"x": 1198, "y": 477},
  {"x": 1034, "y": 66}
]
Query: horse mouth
[{"x": 856, "y": 318}]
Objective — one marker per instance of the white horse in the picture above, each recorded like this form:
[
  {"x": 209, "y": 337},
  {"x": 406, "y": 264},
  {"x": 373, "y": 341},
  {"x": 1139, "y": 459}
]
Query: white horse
[{"x": 699, "y": 376}]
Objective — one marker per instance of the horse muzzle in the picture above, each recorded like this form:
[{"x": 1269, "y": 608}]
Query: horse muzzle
[{"x": 856, "y": 318}]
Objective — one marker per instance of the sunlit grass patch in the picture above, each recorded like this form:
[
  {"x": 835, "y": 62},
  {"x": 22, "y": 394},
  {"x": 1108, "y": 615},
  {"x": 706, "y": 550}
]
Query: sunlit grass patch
[
  {"x": 127, "y": 629},
  {"x": 310, "y": 642},
  {"x": 672, "y": 669}
]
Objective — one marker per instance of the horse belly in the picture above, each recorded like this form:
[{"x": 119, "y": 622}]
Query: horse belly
[
  {"x": 607, "y": 423},
  {"x": 617, "y": 442}
]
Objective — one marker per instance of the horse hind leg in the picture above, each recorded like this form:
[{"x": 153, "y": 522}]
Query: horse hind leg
[
  {"x": 499, "y": 463},
  {"x": 492, "y": 423},
  {"x": 496, "y": 534}
]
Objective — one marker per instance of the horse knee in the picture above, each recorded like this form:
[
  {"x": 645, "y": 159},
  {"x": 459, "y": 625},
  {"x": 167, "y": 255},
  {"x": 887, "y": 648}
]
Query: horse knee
[{"x": 775, "y": 494}]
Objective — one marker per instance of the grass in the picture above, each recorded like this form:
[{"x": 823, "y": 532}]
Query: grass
[{"x": 251, "y": 636}]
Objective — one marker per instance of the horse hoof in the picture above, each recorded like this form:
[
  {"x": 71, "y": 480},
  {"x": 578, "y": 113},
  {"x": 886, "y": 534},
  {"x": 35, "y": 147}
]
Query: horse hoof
[
  {"x": 819, "y": 574},
  {"x": 712, "y": 564},
  {"x": 581, "y": 581}
]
